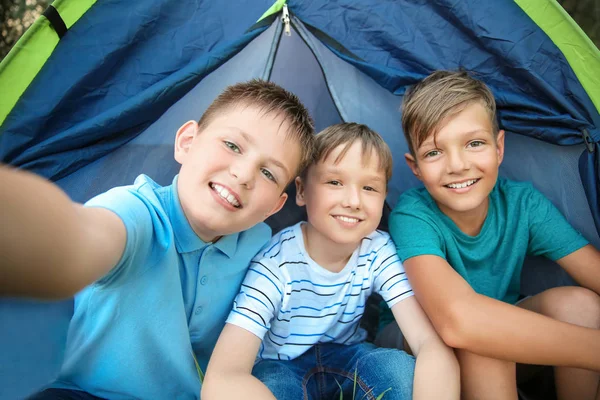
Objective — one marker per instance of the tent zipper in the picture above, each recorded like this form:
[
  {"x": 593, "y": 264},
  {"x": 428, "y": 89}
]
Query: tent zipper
[{"x": 285, "y": 18}]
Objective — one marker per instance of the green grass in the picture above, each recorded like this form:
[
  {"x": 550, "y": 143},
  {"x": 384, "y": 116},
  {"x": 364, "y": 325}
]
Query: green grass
[{"x": 354, "y": 389}]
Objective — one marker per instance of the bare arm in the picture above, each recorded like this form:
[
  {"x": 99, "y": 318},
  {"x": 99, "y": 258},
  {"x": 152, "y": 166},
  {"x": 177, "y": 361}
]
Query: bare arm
[
  {"x": 437, "y": 374},
  {"x": 479, "y": 324},
  {"x": 51, "y": 247},
  {"x": 229, "y": 372},
  {"x": 584, "y": 266}
]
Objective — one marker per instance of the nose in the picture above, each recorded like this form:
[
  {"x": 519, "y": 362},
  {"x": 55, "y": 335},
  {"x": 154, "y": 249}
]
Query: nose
[
  {"x": 457, "y": 162},
  {"x": 352, "y": 198},
  {"x": 243, "y": 173}
]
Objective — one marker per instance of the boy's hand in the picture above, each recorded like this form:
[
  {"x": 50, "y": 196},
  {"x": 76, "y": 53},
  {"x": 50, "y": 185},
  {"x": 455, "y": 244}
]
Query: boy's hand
[
  {"x": 229, "y": 372},
  {"x": 51, "y": 247},
  {"x": 435, "y": 361}
]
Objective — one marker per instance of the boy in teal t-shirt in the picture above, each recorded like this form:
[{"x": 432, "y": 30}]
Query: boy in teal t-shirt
[{"x": 464, "y": 236}]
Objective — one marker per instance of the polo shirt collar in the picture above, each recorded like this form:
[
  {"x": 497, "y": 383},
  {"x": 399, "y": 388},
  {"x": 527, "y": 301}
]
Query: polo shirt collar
[{"x": 186, "y": 239}]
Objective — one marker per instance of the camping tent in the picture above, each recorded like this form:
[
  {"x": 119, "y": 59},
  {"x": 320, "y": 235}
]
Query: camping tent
[{"x": 93, "y": 93}]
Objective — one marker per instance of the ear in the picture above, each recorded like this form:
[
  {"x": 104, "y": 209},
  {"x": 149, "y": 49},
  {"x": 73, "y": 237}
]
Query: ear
[
  {"x": 278, "y": 206},
  {"x": 183, "y": 139},
  {"x": 300, "y": 192},
  {"x": 500, "y": 145},
  {"x": 412, "y": 163}
]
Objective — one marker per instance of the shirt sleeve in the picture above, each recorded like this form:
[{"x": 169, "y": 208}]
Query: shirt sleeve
[
  {"x": 259, "y": 299},
  {"x": 414, "y": 232},
  {"x": 550, "y": 234},
  {"x": 389, "y": 276},
  {"x": 134, "y": 210}
]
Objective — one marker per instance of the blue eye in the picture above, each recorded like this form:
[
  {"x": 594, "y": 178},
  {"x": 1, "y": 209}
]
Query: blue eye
[
  {"x": 234, "y": 147},
  {"x": 268, "y": 174}
]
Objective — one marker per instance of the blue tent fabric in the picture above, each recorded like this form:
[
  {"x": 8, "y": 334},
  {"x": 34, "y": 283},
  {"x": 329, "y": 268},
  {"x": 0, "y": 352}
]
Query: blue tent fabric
[
  {"x": 103, "y": 85},
  {"x": 130, "y": 69},
  {"x": 403, "y": 41},
  {"x": 106, "y": 105},
  {"x": 123, "y": 79}
]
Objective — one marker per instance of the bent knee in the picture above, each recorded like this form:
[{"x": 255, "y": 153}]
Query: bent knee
[
  {"x": 575, "y": 305},
  {"x": 390, "y": 360}
]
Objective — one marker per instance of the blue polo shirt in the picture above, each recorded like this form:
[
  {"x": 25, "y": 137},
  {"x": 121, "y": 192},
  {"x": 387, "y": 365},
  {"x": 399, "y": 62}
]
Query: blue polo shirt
[{"x": 133, "y": 331}]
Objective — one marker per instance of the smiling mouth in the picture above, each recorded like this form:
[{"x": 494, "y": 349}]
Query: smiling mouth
[
  {"x": 348, "y": 220},
  {"x": 225, "y": 194},
  {"x": 462, "y": 185}
]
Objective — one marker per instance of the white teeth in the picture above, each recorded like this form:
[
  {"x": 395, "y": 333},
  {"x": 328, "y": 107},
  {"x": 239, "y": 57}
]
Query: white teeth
[
  {"x": 224, "y": 193},
  {"x": 461, "y": 185},
  {"x": 347, "y": 219}
]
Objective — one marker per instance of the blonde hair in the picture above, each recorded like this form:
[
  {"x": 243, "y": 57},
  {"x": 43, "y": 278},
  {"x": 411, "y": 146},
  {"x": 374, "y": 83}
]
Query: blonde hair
[
  {"x": 269, "y": 98},
  {"x": 348, "y": 133},
  {"x": 440, "y": 96}
]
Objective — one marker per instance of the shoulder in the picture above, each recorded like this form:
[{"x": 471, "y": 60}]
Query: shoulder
[
  {"x": 139, "y": 206},
  {"x": 280, "y": 243},
  {"x": 143, "y": 193},
  {"x": 377, "y": 241},
  {"x": 415, "y": 197},
  {"x": 515, "y": 188},
  {"x": 414, "y": 203},
  {"x": 519, "y": 193},
  {"x": 253, "y": 240},
  {"x": 416, "y": 211}
]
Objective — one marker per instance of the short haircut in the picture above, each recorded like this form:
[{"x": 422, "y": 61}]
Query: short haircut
[
  {"x": 442, "y": 95},
  {"x": 348, "y": 133},
  {"x": 269, "y": 98}
]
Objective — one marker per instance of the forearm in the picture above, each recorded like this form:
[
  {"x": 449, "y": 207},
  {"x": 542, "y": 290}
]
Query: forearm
[
  {"x": 495, "y": 329},
  {"x": 437, "y": 374},
  {"x": 51, "y": 247},
  {"x": 234, "y": 386}
]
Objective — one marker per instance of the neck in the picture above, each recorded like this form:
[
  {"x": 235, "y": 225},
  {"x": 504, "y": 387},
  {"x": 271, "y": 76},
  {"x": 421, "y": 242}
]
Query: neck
[
  {"x": 329, "y": 255},
  {"x": 470, "y": 222}
]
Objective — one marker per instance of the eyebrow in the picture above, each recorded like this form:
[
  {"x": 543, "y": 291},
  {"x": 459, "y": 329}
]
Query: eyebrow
[
  {"x": 334, "y": 170},
  {"x": 430, "y": 141},
  {"x": 271, "y": 160}
]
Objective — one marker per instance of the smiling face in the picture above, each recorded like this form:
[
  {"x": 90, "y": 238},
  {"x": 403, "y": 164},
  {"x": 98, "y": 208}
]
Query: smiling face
[
  {"x": 344, "y": 200},
  {"x": 233, "y": 172},
  {"x": 460, "y": 167}
]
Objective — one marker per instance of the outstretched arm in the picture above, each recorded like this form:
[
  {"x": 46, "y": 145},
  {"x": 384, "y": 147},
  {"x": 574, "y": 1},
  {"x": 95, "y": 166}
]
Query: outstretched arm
[
  {"x": 437, "y": 374},
  {"x": 229, "y": 372},
  {"x": 479, "y": 324},
  {"x": 51, "y": 247}
]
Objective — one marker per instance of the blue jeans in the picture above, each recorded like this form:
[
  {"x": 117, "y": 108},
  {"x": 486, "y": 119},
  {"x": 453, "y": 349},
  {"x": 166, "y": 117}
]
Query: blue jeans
[{"x": 324, "y": 370}]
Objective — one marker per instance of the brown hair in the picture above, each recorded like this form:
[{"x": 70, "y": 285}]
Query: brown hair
[
  {"x": 269, "y": 98},
  {"x": 348, "y": 133},
  {"x": 441, "y": 95}
]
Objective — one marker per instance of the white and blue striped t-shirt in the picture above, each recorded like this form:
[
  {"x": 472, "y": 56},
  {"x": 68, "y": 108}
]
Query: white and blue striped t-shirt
[{"x": 292, "y": 303}]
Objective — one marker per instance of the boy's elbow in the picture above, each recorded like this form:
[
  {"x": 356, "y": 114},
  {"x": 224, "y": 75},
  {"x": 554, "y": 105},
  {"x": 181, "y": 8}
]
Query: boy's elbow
[
  {"x": 208, "y": 390},
  {"x": 452, "y": 326}
]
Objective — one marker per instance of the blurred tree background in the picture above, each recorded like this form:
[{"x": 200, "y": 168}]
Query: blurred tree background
[{"x": 17, "y": 15}]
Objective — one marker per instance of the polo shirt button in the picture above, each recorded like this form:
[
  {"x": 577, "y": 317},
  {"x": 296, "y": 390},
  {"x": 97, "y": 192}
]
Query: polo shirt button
[
  {"x": 204, "y": 280},
  {"x": 198, "y": 310}
]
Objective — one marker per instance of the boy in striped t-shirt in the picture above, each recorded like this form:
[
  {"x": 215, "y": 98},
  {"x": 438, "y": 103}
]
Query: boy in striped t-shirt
[{"x": 294, "y": 329}]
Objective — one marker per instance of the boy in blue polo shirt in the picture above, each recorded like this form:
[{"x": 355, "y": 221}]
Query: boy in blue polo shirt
[
  {"x": 463, "y": 239},
  {"x": 300, "y": 304},
  {"x": 160, "y": 265}
]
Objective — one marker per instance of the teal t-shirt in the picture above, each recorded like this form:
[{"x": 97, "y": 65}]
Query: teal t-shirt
[{"x": 520, "y": 221}]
